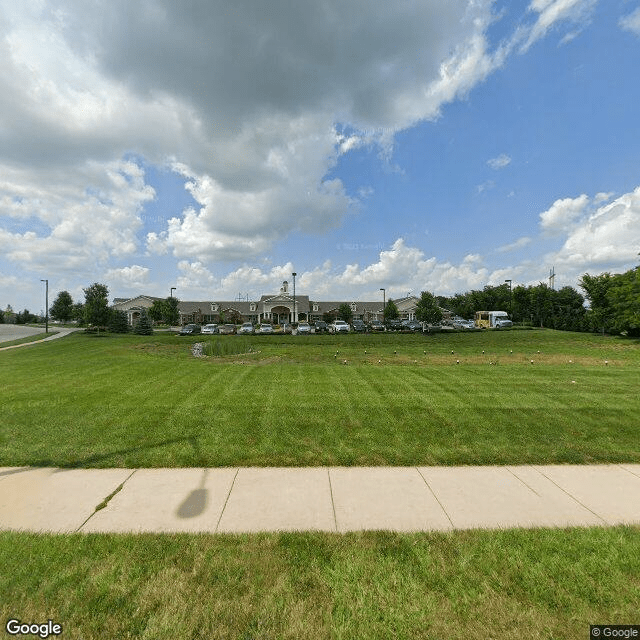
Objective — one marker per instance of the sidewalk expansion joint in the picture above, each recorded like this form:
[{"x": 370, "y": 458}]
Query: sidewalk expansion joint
[
  {"x": 597, "y": 515},
  {"x": 333, "y": 504},
  {"x": 515, "y": 475},
  {"x": 436, "y": 498},
  {"x": 106, "y": 501},
  {"x": 224, "y": 506},
  {"x": 627, "y": 470}
]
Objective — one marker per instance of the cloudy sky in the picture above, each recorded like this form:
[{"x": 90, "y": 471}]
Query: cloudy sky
[{"x": 216, "y": 147}]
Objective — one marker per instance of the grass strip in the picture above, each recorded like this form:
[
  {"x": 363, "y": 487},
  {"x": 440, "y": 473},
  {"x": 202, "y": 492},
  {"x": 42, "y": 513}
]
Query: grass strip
[
  {"x": 34, "y": 338},
  {"x": 538, "y": 583},
  {"x": 132, "y": 401}
]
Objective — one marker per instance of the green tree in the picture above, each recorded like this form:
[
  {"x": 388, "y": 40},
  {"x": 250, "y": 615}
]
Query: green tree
[
  {"x": 391, "y": 311},
  {"x": 62, "y": 307},
  {"x": 172, "y": 315},
  {"x": 143, "y": 326},
  {"x": 427, "y": 309},
  {"x": 25, "y": 316},
  {"x": 623, "y": 298},
  {"x": 157, "y": 311},
  {"x": 118, "y": 322},
  {"x": 344, "y": 312},
  {"x": 77, "y": 313},
  {"x": 596, "y": 289},
  {"x": 96, "y": 305}
]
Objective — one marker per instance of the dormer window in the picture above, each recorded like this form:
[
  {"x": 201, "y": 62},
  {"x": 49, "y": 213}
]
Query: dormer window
[
  {"x": 214, "y": 306},
  {"x": 315, "y": 307},
  {"x": 252, "y": 306},
  {"x": 353, "y": 306}
]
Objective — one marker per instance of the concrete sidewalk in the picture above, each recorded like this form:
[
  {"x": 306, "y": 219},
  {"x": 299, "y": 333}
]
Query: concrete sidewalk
[
  {"x": 12, "y": 334},
  {"x": 336, "y": 499}
]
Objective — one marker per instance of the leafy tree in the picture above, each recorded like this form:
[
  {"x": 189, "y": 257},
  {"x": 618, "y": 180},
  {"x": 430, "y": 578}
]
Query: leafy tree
[
  {"x": 623, "y": 298},
  {"x": 329, "y": 316},
  {"x": 62, "y": 308},
  {"x": 391, "y": 311},
  {"x": 1, "y": 316},
  {"x": 143, "y": 327},
  {"x": 96, "y": 305},
  {"x": 77, "y": 313},
  {"x": 172, "y": 315},
  {"x": 427, "y": 309},
  {"x": 596, "y": 288},
  {"x": 118, "y": 322},
  {"x": 344, "y": 312},
  {"x": 157, "y": 310}
]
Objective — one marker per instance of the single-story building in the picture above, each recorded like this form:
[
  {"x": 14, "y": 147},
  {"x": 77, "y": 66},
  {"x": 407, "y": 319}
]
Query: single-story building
[{"x": 276, "y": 308}]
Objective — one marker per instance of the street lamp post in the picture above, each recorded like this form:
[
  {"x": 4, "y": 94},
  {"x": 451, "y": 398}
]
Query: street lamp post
[
  {"x": 46, "y": 308},
  {"x": 171, "y": 292},
  {"x": 294, "y": 274},
  {"x": 384, "y": 301},
  {"x": 510, "y": 300}
]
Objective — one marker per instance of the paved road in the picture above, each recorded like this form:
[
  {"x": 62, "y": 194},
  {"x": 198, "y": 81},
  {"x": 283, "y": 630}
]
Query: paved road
[
  {"x": 10, "y": 332},
  {"x": 337, "y": 499}
]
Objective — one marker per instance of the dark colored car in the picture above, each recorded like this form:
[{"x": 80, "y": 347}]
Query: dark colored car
[
  {"x": 413, "y": 325},
  {"x": 394, "y": 325},
  {"x": 376, "y": 325},
  {"x": 359, "y": 326},
  {"x": 321, "y": 327},
  {"x": 190, "y": 329}
]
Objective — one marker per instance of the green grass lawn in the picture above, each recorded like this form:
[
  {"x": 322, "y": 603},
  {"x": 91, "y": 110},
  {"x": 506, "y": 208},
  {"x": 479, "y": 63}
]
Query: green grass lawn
[
  {"x": 474, "y": 584},
  {"x": 115, "y": 401},
  {"x": 281, "y": 400},
  {"x": 147, "y": 402}
]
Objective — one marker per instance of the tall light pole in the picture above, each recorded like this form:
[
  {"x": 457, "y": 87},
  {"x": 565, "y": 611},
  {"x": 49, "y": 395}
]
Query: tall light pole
[
  {"x": 510, "y": 300},
  {"x": 171, "y": 292},
  {"x": 294, "y": 274},
  {"x": 384, "y": 301},
  {"x": 46, "y": 308}
]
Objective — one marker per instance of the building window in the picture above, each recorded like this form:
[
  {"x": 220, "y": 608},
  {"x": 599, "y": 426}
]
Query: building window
[
  {"x": 315, "y": 307},
  {"x": 214, "y": 306},
  {"x": 252, "y": 306}
]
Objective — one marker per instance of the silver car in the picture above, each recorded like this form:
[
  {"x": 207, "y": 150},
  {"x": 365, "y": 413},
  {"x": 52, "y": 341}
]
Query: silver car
[
  {"x": 339, "y": 326},
  {"x": 210, "y": 328},
  {"x": 304, "y": 327},
  {"x": 265, "y": 329},
  {"x": 247, "y": 327}
]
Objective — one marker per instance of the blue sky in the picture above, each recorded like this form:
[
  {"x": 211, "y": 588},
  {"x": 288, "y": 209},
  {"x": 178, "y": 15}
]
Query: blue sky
[{"x": 414, "y": 146}]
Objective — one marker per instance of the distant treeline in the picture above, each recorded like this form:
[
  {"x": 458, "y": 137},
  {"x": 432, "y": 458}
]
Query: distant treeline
[{"x": 613, "y": 304}]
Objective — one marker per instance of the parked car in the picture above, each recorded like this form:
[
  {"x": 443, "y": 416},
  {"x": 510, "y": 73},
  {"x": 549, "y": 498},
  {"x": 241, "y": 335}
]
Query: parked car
[
  {"x": 376, "y": 325},
  {"x": 190, "y": 329},
  {"x": 227, "y": 329},
  {"x": 247, "y": 327},
  {"x": 210, "y": 328},
  {"x": 461, "y": 323},
  {"x": 264, "y": 329},
  {"x": 321, "y": 326},
  {"x": 339, "y": 326},
  {"x": 287, "y": 328},
  {"x": 394, "y": 325},
  {"x": 304, "y": 328},
  {"x": 413, "y": 325},
  {"x": 359, "y": 326}
]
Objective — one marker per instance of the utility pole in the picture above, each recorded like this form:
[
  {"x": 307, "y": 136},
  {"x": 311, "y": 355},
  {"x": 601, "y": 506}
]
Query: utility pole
[
  {"x": 294, "y": 297},
  {"x": 46, "y": 308}
]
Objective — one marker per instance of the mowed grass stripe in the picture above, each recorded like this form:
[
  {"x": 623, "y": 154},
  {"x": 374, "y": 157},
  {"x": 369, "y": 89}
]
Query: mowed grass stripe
[
  {"x": 135, "y": 401},
  {"x": 540, "y": 583}
]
